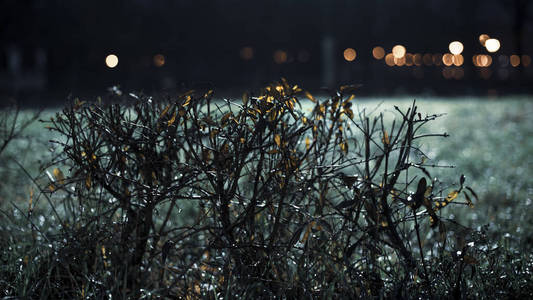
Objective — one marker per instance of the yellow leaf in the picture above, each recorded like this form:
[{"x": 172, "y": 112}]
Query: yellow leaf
[
  {"x": 277, "y": 139},
  {"x": 348, "y": 112},
  {"x": 164, "y": 112},
  {"x": 310, "y": 97},
  {"x": 208, "y": 94},
  {"x": 225, "y": 118},
  {"x": 352, "y": 96},
  {"x": 187, "y": 100},
  {"x": 307, "y": 231},
  {"x": 428, "y": 191},
  {"x": 344, "y": 147},
  {"x": 451, "y": 196},
  {"x": 171, "y": 121},
  {"x": 197, "y": 289},
  {"x": 385, "y": 138},
  {"x": 272, "y": 116},
  {"x": 59, "y": 176},
  {"x": 307, "y": 142},
  {"x": 304, "y": 120},
  {"x": 51, "y": 187},
  {"x": 88, "y": 182},
  {"x": 30, "y": 208},
  {"x": 243, "y": 140}
]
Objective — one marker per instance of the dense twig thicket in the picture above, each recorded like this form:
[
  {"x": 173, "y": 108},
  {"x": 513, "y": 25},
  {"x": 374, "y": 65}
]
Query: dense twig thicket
[{"x": 200, "y": 198}]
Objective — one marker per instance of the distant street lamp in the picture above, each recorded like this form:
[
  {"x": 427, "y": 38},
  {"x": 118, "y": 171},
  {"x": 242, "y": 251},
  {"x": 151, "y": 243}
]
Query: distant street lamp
[
  {"x": 111, "y": 61},
  {"x": 492, "y": 45},
  {"x": 456, "y": 47}
]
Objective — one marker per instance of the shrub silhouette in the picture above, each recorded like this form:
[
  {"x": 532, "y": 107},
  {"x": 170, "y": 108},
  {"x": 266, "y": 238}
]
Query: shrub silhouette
[{"x": 201, "y": 198}]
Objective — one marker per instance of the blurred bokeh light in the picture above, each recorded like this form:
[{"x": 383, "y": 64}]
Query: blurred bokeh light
[
  {"x": 111, "y": 61},
  {"x": 349, "y": 54}
]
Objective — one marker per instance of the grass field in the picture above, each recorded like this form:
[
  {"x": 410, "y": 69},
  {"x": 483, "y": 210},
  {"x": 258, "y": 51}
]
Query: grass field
[{"x": 490, "y": 142}]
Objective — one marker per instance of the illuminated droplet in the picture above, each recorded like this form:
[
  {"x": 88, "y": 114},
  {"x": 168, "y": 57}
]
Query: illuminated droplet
[{"x": 111, "y": 61}]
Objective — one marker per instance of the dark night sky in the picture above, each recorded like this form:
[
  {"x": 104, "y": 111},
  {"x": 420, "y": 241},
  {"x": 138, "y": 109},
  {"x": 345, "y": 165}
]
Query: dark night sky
[{"x": 202, "y": 43}]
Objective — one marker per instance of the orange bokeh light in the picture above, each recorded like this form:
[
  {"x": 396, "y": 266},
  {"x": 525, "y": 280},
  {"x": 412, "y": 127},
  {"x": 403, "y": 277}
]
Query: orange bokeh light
[
  {"x": 280, "y": 57},
  {"x": 447, "y": 59},
  {"x": 349, "y": 54},
  {"x": 483, "y": 38},
  {"x": 389, "y": 59},
  {"x": 247, "y": 53},
  {"x": 458, "y": 60},
  {"x": 159, "y": 60},
  {"x": 526, "y": 60},
  {"x": 398, "y": 51},
  {"x": 378, "y": 52}
]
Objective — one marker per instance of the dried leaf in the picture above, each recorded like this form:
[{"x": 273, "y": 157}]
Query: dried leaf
[
  {"x": 225, "y": 118},
  {"x": 310, "y": 97},
  {"x": 30, "y": 207},
  {"x": 277, "y": 140},
  {"x": 451, "y": 196},
  {"x": 164, "y": 112},
  {"x": 468, "y": 200},
  {"x": 245, "y": 98},
  {"x": 59, "y": 176},
  {"x": 307, "y": 231},
  {"x": 307, "y": 142},
  {"x": 172, "y": 120},
  {"x": 385, "y": 138},
  {"x": 187, "y": 100},
  {"x": 344, "y": 147}
]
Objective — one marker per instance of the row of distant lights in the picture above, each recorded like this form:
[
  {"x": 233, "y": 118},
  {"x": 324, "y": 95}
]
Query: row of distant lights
[
  {"x": 397, "y": 57},
  {"x": 400, "y": 57},
  {"x": 111, "y": 60}
]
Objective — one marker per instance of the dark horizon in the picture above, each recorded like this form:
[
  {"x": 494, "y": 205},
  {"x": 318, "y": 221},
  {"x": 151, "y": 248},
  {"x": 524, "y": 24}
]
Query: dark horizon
[{"x": 58, "y": 48}]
